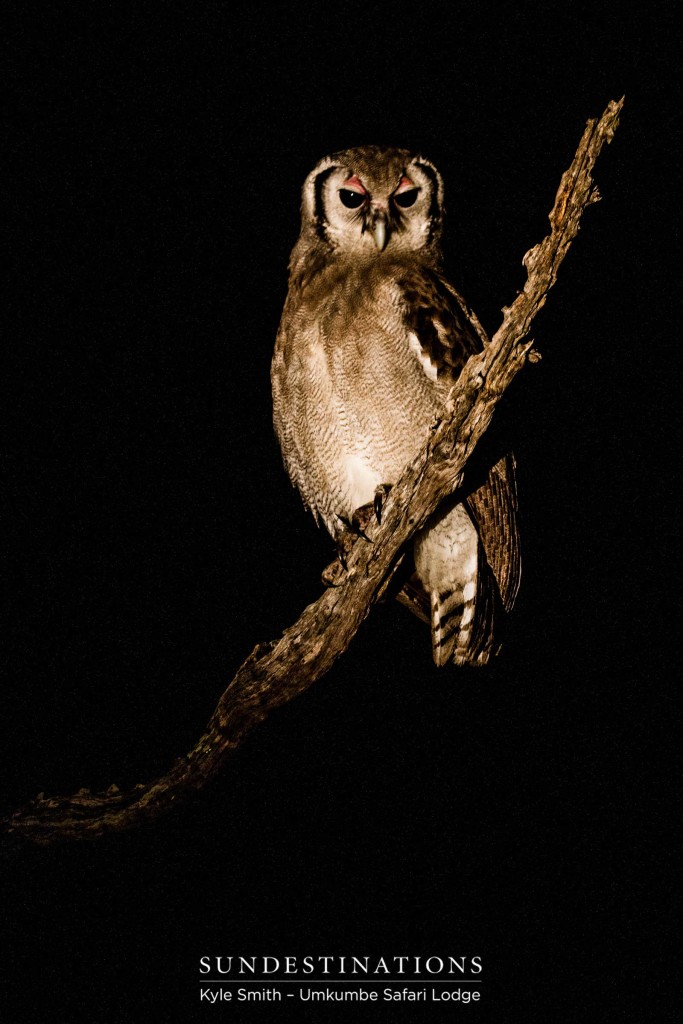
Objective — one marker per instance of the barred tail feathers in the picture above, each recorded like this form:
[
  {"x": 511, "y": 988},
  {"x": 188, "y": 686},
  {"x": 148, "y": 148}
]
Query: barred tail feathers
[
  {"x": 452, "y": 618},
  {"x": 463, "y": 622},
  {"x": 451, "y": 565}
]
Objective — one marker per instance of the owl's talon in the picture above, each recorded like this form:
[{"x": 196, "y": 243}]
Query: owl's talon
[
  {"x": 356, "y": 525},
  {"x": 380, "y": 494},
  {"x": 362, "y": 518},
  {"x": 335, "y": 572},
  {"x": 353, "y": 526}
]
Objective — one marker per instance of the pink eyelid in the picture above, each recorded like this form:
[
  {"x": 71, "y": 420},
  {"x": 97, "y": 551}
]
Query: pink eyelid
[
  {"x": 355, "y": 184},
  {"x": 404, "y": 185}
]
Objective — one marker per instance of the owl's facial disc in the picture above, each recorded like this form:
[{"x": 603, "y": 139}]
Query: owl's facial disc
[{"x": 371, "y": 202}]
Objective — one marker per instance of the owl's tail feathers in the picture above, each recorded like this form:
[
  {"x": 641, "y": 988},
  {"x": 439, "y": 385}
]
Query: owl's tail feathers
[
  {"x": 462, "y": 623},
  {"x": 451, "y": 626}
]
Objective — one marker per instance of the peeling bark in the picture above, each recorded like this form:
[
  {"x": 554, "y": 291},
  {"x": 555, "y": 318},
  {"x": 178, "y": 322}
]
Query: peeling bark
[{"x": 276, "y": 672}]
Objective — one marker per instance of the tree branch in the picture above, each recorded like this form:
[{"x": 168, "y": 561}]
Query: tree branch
[{"x": 276, "y": 672}]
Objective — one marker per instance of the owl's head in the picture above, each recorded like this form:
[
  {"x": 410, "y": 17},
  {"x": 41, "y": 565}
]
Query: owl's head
[{"x": 372, "y": 199}]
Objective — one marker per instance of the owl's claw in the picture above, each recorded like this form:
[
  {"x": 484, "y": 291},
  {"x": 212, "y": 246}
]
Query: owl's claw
[
  {"x": 358, "y": 521},
  {"x": 335, "y": 572},
  {"x": 354, "y": 528},
  {"x": 380, "y": 494}
]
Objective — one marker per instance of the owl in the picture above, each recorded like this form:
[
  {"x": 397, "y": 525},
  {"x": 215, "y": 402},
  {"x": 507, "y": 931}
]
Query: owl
[{"x": 371, "y": 341}]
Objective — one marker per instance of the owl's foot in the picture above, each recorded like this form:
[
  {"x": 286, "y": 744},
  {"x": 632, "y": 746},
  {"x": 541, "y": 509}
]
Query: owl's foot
[
  {"x": 368, "y": 513},
  {"x": 334, "y": 574},
  {"x": 354, "y": 528},
  {"x": 381, "y": 494}
]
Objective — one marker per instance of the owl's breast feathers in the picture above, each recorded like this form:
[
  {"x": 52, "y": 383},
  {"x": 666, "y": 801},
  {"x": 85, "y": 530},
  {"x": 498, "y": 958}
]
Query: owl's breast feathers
[
  {"x": 354, "y": 391},
  {"x": 365, "y": 356}
]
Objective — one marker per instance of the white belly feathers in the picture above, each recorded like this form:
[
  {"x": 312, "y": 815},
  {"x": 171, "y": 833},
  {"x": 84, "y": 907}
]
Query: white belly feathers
[{"x": 379, "y": 407}]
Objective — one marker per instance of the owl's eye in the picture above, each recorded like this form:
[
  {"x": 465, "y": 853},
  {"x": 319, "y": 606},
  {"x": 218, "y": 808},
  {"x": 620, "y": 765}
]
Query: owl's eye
[
  {"x": 350, "y": 198},
  {"x": 407, "y": 198}
]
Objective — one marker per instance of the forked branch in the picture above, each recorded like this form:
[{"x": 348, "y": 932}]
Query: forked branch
[{"x": 276, "y": 672}]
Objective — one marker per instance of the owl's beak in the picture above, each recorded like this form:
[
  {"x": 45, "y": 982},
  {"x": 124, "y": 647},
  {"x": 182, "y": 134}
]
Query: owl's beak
[{"x": 379, "y": 230}]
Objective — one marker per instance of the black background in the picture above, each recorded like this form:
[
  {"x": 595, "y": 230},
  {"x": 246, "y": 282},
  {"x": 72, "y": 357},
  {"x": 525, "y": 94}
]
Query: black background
[{"x": 153, "y": 539}]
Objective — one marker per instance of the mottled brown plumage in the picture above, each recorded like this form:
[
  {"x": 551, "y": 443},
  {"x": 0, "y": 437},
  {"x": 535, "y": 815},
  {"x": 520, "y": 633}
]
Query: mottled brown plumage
[{"x": 371, "y": 340}]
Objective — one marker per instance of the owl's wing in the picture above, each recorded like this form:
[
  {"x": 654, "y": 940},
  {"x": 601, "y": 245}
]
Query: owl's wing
[
  {"x": 447, "y": 330},
  {"x": 493, "y": 507},
  {"x": 449, "y": 333},
  {"x": 288, "y": 416}
]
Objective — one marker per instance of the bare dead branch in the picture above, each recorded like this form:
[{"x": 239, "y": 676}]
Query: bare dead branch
[{"x": 276, "y": 672}]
